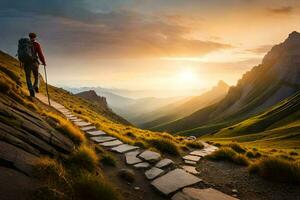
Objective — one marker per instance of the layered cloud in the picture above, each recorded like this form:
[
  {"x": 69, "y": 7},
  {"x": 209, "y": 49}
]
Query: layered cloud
[{"x": 72, "y": 28}]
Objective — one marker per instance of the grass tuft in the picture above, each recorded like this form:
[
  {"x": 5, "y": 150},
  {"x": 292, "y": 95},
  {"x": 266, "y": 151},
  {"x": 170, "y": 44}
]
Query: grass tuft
[
  {"x": 276, "y": 169},
  {"x": 83, "y": 158},
  {"x": 108, "y": 159},
  {"x": 237, "y": 147},
  {"x": 164, "y": 145},
  {"x": 194, "y": 144},
  {"x": 67, "y": 128},
  {"x": 227, "y": 154},
  {"x": 92, "y": 187}
]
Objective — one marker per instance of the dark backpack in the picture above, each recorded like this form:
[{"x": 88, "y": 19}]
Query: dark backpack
[{"x": 26, "y": 52}]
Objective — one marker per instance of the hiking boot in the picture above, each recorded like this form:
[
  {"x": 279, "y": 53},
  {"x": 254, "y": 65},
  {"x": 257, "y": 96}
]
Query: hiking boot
[
  {"x": 36, "y": 89},
  {"x": 32, "y": 93}
]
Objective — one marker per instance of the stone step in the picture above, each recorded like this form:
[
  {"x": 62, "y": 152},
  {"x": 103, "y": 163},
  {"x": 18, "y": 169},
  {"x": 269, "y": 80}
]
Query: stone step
[
  {"x": 192, "y": 158},
  {"x": 101, "y": 139},
  {"x": 174, "y": 180},
  {"x": 131, "y": 158},
  {"x": 143, "y": 165},
  {"x": 153, "y": 173},
  {"x": 164, "y": 163},
  {"x": 124, "y": 148},
  {"x": 190, "y": 169},
  {"x": 111, "y": 143},
  {"x": 201, "y": 194},
  {"x": 88, "y": 128},
  {"x": 150, "y": 156},
  {"x": 95, "y": 133},
  {"x": 82, "y": 123},
  {"x": 188, "y": 162},
  {"x": 200, "y": 153}
]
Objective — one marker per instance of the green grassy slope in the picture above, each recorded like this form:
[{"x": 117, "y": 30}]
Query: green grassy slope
[
  {"x": 259, "y": 89},
  {"x": 181, "y": 109}
]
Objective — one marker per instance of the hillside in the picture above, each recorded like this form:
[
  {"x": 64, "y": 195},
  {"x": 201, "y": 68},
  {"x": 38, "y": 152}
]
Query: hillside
[
  {"x": 45, "y": 156},
  {"x": 275, "y": 79},
  {"x": 184, "y": 107}
]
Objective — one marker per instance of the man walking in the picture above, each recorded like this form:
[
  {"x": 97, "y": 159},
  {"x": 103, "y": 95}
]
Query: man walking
[{"x": 30, "y": 54}]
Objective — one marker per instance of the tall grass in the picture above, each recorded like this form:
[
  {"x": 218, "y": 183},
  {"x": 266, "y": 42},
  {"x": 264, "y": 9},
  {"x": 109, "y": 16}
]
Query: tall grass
[
  {"x": 66, "y": 127},
  {"x": 164, "y": 145},
  {"x": 276, "y": 169},
  {"x": 84, "y": 158},
  {"x": 91, "y": 187},
  {"x": 227, "y": 154}
]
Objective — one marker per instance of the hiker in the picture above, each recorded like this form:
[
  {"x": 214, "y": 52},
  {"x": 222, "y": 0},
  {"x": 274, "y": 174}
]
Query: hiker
[{"x": 30, "y": 55}]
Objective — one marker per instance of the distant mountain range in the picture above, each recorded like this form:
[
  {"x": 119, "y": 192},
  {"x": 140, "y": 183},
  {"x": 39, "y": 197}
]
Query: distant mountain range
[
  {"x": 137, "y": 94},
  {"x": 266, "y": 97},
  {"x": 184, "y": 107}
]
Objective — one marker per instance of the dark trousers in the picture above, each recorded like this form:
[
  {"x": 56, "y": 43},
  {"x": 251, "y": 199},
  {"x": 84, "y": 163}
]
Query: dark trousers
[{"x": 34, "y": 68}]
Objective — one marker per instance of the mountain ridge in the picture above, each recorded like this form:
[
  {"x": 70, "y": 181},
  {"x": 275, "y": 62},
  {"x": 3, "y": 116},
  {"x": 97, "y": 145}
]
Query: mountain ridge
[{"x": 258, "y": 89}]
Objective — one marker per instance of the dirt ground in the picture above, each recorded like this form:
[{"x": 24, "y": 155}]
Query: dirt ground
[{"x": 226, "y": 176}]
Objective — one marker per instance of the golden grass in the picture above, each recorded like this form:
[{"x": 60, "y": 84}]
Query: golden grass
[
  {"x": 227, "y": 154},
  {"x": 194, "y": 144},
  {"x": 276, "y": 169},
  {"x": 66, "y": 127},
  {"x": 83, "y": 158},
  {"x": 164, "y": 145},
  {"x": 92, "y": 187}
]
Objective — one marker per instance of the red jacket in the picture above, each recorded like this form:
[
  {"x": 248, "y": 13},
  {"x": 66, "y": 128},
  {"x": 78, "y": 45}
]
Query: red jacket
[{"x": 38, "y": 50}]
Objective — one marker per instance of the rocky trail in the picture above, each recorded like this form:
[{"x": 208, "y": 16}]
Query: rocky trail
[{"x": 173, "y": 180}]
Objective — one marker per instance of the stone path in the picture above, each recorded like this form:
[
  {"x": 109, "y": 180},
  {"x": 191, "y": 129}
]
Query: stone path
[{"x": 165, "y": 177}]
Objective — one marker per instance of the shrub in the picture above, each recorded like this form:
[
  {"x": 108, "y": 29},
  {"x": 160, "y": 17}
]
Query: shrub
[
  {"x": 88, "y": 186},
  {"x": 164, "y": 145},
  {"x": 195, "y": 144},
  {"x": 237, "y": 147},
  {"x": 83, "y": 158},
  {"x": 227, "y": 154},
  {"x": 107, "y": 159},
  {"x": 276, "y": 169},
  {"x": 251, "y": 154},
  {"x": 126, "y": 175}
]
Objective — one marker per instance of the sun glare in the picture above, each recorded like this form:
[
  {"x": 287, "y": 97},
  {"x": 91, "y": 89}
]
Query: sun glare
[{"x": 187, "y": 75}]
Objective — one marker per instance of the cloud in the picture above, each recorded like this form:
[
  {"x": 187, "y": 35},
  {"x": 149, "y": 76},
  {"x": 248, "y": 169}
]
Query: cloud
[
  {"x": 281, "y": 10},
  {"x": 261, "y": 49},
  {"x": 70, "y": 27}
]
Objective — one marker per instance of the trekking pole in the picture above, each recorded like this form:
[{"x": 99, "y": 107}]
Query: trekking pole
[{"x": 47, "y": 85}]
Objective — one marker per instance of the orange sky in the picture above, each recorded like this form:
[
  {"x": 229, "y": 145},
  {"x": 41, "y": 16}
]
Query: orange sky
[{"x": 158, "y": 44}]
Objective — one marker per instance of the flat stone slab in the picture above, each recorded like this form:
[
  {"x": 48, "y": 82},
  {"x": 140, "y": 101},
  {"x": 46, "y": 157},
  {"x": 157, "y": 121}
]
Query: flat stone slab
[
  {"x": 188, "y": 162},
  {"x": 150, "y": 156},
  {"x": 200, "y": 153},
  {"x": 95, "y": 133},
  {"x": 111, "y": 143},
  {"x": 131, "y": 158},
  {"x": 76, "y": 120},
  {"x": 192, "y": 158},
  {"x": 164, "y": 163},
  {"x": 142, "y": 165},
  {"x": 201, "y": 194},
  {"x": 72, "y": 118},
  {"x": 100, "y": 139},
  {"x": 153, "y": 173},
  {"x": 124, "y": 148},
  {"x": 190, "y": 169},
  {"x": 82, "y": 123},
  {"x": 88, "y": 128},
  {"x": 174, "y": 180}
]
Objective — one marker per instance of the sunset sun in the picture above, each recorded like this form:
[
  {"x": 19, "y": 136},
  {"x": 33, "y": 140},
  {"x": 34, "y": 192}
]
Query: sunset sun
[{"x": 187, "y": 75}]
